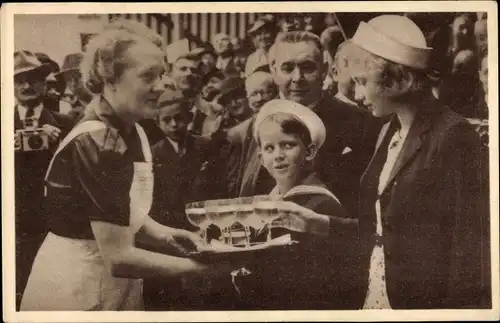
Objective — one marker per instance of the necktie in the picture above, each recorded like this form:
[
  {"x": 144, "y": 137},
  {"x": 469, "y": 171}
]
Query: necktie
[
  {"x": 30, "y": 113},
  {"x": 29, "y": 118}
]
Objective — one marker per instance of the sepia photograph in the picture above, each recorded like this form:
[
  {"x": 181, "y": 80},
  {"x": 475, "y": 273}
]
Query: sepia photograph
[{"x": 169, "y": 162}]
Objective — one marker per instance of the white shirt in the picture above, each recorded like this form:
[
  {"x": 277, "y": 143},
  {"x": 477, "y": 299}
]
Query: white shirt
[
  {"x": 376, "y": 297},
  {"x": 65, "y": 107},
  {"x": 23, "y": 110}
]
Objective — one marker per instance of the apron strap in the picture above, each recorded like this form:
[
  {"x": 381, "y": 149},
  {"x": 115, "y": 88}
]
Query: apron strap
[{"x": 146, "y": 148}]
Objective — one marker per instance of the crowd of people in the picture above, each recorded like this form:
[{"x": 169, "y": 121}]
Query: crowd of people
[{"x": 384, "y": 127}]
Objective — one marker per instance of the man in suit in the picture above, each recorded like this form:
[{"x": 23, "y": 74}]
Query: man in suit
[
  {"x": 32, "y": 157},
  {"x": 244, "y": 167},
  {"x": 80, "y": 96},
  {"x": 423, "y": 217},
  {"x": 298, "y": 68},
  {"x": 224, "y": 48}
]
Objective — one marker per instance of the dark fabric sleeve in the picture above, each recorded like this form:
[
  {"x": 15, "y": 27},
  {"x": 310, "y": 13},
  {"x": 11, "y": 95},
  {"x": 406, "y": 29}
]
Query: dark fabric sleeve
[
  {"x": 104, "y": 175},
  {"x": 467, "y": 185}
]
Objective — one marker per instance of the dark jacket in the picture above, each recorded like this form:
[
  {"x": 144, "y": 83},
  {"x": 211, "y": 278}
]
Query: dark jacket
[
  {"x": 183, "y": 179},
  {"x": 435, "y": 215},
  {"x": 351, "y": 134},
  {"x": 31, "y": 166}
]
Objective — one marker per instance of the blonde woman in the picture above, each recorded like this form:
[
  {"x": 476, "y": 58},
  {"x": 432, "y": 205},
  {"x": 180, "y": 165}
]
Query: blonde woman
[
  {"x": 99, "y": 188},
  {"x": 423, "y": 215}
]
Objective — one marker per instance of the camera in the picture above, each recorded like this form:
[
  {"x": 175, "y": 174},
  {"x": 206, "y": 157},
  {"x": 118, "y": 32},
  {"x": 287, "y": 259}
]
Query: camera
[{"x": 31, "y": 140}]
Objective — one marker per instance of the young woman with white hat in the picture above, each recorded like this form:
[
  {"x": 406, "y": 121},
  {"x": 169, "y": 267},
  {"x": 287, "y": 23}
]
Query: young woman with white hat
[{"x": 423, "y": 214}]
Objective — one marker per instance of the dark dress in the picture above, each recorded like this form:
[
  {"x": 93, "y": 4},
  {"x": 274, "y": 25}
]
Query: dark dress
[{"x": 92, "y": 178}]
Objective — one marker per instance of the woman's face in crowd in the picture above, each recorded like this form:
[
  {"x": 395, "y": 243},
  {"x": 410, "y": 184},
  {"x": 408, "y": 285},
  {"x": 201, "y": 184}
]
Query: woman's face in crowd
[
  {"x": 299, "y": 72},
  {"x": 140, "y": 85},
  {"x": 367, "y": 91},
  {"x": 283, "y": 155},
  {"x": 186, "y": 74}
]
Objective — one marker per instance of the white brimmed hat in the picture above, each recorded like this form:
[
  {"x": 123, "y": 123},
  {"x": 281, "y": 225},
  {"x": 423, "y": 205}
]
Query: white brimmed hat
[
  {"x": 395, "y": 38},
  {"x": 310, "y": 119}
]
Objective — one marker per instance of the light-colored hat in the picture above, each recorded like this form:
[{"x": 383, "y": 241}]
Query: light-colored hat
[
  {"x": 25, "y": 61},
  {"x": 263, "y": 23},
  {"x": 310, "y": 119},
  {"x": 395, "y": 38},
  {"x": 71, "y": 62}
]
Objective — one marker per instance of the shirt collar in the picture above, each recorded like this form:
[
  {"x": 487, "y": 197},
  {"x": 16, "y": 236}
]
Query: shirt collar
[
  {"x": 345, "y": 99},
  {"x": 23, "y": 109},
  {"x": 311, "y": 106}
]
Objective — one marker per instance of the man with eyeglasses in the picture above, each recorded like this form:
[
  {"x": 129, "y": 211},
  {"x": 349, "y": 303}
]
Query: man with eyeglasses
[{"x": 246, "y": 177}]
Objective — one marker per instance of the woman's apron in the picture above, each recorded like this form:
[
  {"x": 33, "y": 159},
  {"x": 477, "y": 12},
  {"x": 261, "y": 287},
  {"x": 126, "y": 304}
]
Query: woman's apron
[{"x": 70, "y": 274}]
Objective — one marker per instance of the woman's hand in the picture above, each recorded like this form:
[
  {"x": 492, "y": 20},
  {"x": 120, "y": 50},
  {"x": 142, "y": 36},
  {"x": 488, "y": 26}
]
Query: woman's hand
[
  {"x": 182, "y": 242},
  {"x": 300, "y": 219}
]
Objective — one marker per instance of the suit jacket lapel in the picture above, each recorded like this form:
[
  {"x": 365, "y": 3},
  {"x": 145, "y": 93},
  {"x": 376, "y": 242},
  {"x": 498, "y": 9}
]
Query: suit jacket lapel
[
  {"x": 18, "y": 124},
  {"x": 411, "y": 145},
  {"x": 46, "y": 117}
]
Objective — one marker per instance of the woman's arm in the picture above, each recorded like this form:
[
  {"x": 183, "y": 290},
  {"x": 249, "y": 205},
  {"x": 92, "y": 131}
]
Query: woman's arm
[
  {"x": 116, "y": 244},
  {"x": 301, "y": 219},
  {"x": 168, "y": 240}
]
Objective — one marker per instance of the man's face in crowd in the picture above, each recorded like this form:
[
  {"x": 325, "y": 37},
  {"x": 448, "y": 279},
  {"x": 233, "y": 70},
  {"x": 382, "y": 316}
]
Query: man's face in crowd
[
  {"x": 462, "y": 31},
  {"x": 28, "y": 86},
  {"x": 174, "y": 120},
  {"x": 186, "y": 74},
  {"x": 223, "y": 45},
  {"x": 341, "y": 75},
  {"x": 483, "y": 74},
  {"x": 481, "y": 33},
  {"x": 208, "y": 61},
  {"x": 464, "y": 63},
  {"x": 236, "y": 104},
  {"x": 74, "y": 83},
  {"x": 260, "y": 89},
  {"x": 211, "y": 85},
  {"x": 263, "y": 38},
  {"x": 299, "y": 71}
]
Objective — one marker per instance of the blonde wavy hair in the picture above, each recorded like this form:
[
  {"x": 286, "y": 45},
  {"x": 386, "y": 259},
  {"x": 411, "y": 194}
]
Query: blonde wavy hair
[
  {"x": 103, "y": 60},
  {"x": 392, "y": 79}
]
